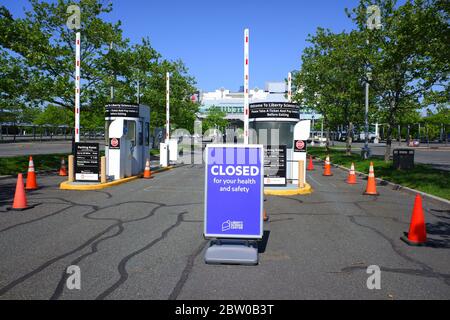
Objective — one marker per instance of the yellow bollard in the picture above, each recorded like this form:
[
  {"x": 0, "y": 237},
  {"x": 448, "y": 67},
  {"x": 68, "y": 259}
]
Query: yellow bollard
[
  {"x": 301, "y": 174},
  {"x": 103, "y": 169},
  {"x": 71, "y": 169}
]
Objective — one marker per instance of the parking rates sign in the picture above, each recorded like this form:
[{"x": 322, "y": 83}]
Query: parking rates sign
[{"x": 234, "y": 188}]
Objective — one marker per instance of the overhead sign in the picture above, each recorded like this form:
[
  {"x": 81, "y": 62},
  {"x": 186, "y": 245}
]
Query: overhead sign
[
  {"x": 234, "y": 191},
  {"x": 278, "y": 110},
  {"x": 86, "y": 161},
  {"x": 128, "y": 110},
  {"x": 299, "y": 146},
  {"x": 275, "y": 166}
]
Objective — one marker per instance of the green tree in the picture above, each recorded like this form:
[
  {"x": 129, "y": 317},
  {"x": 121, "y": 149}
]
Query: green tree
[
  {"x": 407, "y": 56},
  {"x": 43, "y": 50},
  {"x": 215, "y": 119},
  {"x": 330, "y": 79}
]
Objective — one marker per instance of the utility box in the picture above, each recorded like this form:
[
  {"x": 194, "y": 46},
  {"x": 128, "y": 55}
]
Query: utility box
[
  {"x": 403, "y": 159},
  {"x": 163, "y": 154},
  {"x": 173, "y": 149},
  {"x": 127, "y": 139}
]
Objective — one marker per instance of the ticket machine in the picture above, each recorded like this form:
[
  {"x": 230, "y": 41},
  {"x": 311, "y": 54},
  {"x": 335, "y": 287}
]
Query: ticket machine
[{"x": 127, "y": 139}]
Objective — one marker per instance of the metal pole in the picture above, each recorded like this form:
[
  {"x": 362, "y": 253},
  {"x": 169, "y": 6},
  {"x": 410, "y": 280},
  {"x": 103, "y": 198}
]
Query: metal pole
[
  {"x": 246, "y": 76},
  {"x": 113, "y": 77},
  {"x": 167, "y": 106},
  {"x": 289, "y": 95},
  {"x": 77, "y": 87},
  {"x": 366, "y": 123}
]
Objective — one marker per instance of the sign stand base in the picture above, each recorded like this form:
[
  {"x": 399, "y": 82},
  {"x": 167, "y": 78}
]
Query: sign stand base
[{"x": 232, "y": 251}]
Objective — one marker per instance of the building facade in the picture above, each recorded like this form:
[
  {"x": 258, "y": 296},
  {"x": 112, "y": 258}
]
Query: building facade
[{"x": 232, "y": 103}]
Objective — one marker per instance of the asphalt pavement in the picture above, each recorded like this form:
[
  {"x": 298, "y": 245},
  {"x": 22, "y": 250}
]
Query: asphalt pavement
[
  {"x": 47, "y": 147},
  {"x": 143, "y": 240}
]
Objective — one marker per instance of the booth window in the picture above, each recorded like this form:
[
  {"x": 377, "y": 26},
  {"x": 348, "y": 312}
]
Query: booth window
[
  {"x": 285, "y": 131},
  {"x": 147, "y": 133},
  {"x": 141, "y": 133},
  {"x": 131, "y": 134}
]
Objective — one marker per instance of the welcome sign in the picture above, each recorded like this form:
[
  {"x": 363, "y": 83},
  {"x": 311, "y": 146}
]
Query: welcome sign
[{"x": 234, "y": 182}]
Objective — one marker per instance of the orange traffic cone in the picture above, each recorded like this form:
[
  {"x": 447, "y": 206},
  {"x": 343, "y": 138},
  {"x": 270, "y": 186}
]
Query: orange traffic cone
[
  {"x": 351, "y": 179},
  {"x": 31, "y": 176},
  {"x": 417, "y": 234},
  {"x": 371, "y": 188},
  {"x": 63, "y": 169},
  {"x": 147, "y": 171},
  {"x": 310, "y": 164},
  {"x": 327, "y": 171},
  {"x": 20, "y": 199}
]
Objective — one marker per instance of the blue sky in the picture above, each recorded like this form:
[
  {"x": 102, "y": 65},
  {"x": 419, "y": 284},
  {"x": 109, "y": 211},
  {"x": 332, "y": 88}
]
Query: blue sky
[{"x": 208, "y": 35}]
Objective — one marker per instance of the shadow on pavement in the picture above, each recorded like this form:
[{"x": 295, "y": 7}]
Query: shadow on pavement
[
  {"x": 263, "y": 243},
  {"x": 442, "y": 231}
]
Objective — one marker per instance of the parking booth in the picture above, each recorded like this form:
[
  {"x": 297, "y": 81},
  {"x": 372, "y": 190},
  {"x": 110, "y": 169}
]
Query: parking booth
[
  {"x": 403, "y": 159},
  {"x": 278, "y": 128},
  {"x": 127, "y": 139}
]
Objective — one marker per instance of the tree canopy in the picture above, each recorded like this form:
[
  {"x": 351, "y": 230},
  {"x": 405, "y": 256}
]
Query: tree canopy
[
  {"x": 405, "y": 62},
  {"x": 37, "y": 57}
]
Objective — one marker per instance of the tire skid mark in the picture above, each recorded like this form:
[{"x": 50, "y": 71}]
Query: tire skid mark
[
  {"x": 122, "y": 264},
  {"x": 425, "y": 268},
  {"x": 186, "y": 271},
  {"x": 93, "y": 210},
  {"x": 405, "y": 271},
  {"x": 34, "y": 220},
  {"x": 94, "y": 249},
  {"x": 60, "y": 287}
]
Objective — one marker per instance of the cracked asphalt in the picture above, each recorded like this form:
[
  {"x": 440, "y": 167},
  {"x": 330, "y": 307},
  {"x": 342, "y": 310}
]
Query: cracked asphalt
[{"x": 143, "y": 240}]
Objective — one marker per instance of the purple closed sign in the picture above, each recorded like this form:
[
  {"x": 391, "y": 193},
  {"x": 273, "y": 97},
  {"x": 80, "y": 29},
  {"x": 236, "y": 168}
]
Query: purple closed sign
[{"x": 234, "y": 185}]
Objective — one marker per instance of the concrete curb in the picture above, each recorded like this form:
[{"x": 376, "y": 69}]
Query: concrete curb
[
  {"x": 396, "y": 186},
  {"x": 66, "y": 186},
  {"x": 274, "y": 192}
]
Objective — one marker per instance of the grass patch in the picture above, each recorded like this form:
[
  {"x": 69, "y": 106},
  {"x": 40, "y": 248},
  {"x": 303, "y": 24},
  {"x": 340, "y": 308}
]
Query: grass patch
[
  {"x": 19, "y": 164},
  {"x": 42, "y": 162},
  {"x": 423, "y": 177},
  {"x": 154, "y": 152}
]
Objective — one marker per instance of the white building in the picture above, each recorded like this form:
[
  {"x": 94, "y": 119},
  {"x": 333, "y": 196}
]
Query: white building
[{"x": 232, "y": 103}]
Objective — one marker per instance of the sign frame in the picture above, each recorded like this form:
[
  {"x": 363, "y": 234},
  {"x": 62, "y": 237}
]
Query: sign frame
[
  {"x": 261, "y": 190},
  {"x": 281, "y": 110},
  {"x": 122, "y": 110},
  {"x": 76, "y": 169}
]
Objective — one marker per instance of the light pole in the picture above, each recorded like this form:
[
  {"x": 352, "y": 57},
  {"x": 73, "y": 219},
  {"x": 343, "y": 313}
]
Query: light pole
[
  {"x": 373, "y": 22},
  {"x": 366, "y": 150}
]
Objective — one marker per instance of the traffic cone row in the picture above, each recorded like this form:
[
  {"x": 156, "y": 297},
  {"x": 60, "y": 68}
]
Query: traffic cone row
[
  {"x": 327, "y": 167},
  {"x": 31, "y": 176},
  {"x": 147, "y": 171},
  {"x": 310, "y": 164},
  {"x": 63, "y": 169},
  {"x": 371, "y": 188},
  {"x": 351, "y": 179},
  {"x": 417, "y": 235},
  {"x": 20, "y": 199}
]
